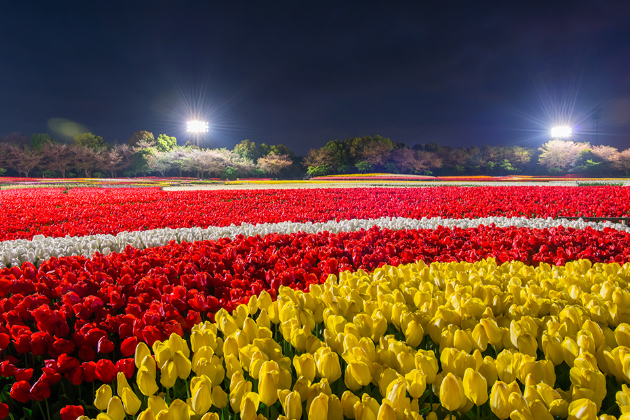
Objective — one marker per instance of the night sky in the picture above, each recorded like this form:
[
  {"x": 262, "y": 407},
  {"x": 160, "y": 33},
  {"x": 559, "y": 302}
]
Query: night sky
[{"x": 303, "y": 73}]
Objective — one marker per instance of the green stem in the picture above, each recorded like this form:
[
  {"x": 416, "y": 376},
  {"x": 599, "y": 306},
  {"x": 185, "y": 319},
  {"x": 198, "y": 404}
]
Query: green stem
[
  {"x": 478, "y": 412},
  {"x": 47, "y": 409}
]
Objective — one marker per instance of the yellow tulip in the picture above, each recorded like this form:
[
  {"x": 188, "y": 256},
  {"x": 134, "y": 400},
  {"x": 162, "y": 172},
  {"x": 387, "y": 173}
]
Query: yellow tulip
[
  {"x": 201, "y": 391},
  {"x": 541, "y": 371},
  {"x": 493, "y": 332},
  {"x": 462, "y": 341},
  {"x": 357, "y": 375},
  {"x": 348, "y": 400},
  {"x": 168, "y": 374},
  {"x": 102, "y": 397},
  {"x": 182, "y": 363},
  {"x": 179, "y": 409},
  {"x": 570, "y": 350},
  {"x": 386, "y": 412},
  {"x": 130, "y": 400},
  {"x": 480, "y": 337},
  {"x": 210, "y": 416},
  {"x": 416, "y": 383},
  {"x": 162, "y": 352},
  {"x": 452, "y": 394},
  {"x": 582, "y": 409},
  {"x": 366, "y": 409},
  {"x": 146, "y": 381},
  {"x": 150, "y": 364},
  {"x": 157, "y": 404},
  {"x": 414, "y": 334},
  {"x": 115, "y": 409},
  {"x": 539, "y": 411},
  {"x": 305, "y": 366},
  {"x": 623, "y": 399},
  {"x": 230, "y": 346},
  {"x": 121, "y": 383},
  {"x": 302, "y": 386},
  {"x": 428, "y": 364},
  {"x": 291, "y": 404},
  {"x": 499, "y": 400},
  {"x": 238, "y": 389},
  {"x": 142, "y": 350},
  {"x": 219, "y": 397},
  {"x": 328, "y": 366},
  {"x": 335, "y": 410},
  {"x": 622, "y": 334},
  {"x": 475, "y": 387},
  {"x": 319, "y": 408},
  {"x": 268, "y": 387},
  {"x": 102, "y": 416},
  {"x": 146, "y": 415},
  {"x": 552, "y": 347}
]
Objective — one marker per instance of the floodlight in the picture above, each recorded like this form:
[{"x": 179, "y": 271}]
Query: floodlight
[
  {"x": 561, "y": 132},
  {"x": 196, "y": 126}
]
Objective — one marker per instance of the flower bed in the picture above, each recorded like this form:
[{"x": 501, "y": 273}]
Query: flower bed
[
  {"x": 88, "y": 211},
  {"x": 500, "y": 317}
]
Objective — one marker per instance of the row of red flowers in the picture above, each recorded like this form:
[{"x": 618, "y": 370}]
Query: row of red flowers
[
  {"x": 86, "y": 211},
  {"x": 80, "y": 318}
]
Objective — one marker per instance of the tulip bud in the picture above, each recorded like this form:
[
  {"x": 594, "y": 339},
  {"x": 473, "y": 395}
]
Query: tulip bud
[
  {"x": 102, "y": 397},
  {"x": 115, "y": 409},
  {"x": 386, "y": 412},
  {"x": 182, "y": 363},
  {"x": 414, "y": 334},
  {"x": 201, "y": 390},
  {"x": 219, "y": 397},
  {"x": 329, "y": 367},
  {"x": 157, "y": 404},
  {"x": 357, "y": 376},
  {"x": 130, "y": 400},
  {"x": 416, "y": 383},
  {"x": 475, "y": 387},
  {"x": 268, "y": 387},
  {"x": 348, "y": 400},
  {"x": 121, "y": 383},
  {"x": 305, "y": 366},
  {"x": 462, "y": 341},
  {"x": 582, "y": 409},
  {"x": 452, "y": 395},
  {"x": 146, "y": 415},
  {"x": 142, "y": 350},
  {"x": 493, "y": 332},
  {"x": 499, "y": 400},
  {"x": 146, "y": 382},
  {"x": 291, "y": 404},
  {"x": 168, "y": 374},
  {"x": 319, "y": 408}
]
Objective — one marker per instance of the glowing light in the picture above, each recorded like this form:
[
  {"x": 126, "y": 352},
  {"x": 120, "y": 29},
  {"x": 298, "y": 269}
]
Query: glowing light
[
  {"x": 196, "y": 126},
  {"x": 561, "y": 132}
]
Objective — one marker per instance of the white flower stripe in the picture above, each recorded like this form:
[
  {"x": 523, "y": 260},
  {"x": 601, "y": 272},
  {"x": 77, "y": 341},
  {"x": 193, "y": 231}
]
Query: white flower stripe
[{"x": 40, "y": 248}]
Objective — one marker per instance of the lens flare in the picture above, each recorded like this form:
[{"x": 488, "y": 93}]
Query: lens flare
[
  {"x": 561, "y": 132},
  {"x": 196, "y": 126}
]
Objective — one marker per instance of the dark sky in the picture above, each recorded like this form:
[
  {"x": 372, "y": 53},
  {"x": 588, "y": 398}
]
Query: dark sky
[{"x": 306, "y": 72}]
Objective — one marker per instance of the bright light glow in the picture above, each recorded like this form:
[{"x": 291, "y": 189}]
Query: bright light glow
[
  {"x": 561, "y": 132},
  {"x": 196, "y": 126}
]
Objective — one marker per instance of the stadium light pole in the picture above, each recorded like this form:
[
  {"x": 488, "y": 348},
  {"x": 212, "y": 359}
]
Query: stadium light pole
[
  {"x": 561, "y": 132},
  {"x": 196, "y": 126}
]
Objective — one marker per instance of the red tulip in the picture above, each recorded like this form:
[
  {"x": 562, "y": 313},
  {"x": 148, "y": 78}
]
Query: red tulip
[
  {"x": 71, "y": 412},
  {"x": 20, "y": 391},
  {"x": 105, "y": 370}
]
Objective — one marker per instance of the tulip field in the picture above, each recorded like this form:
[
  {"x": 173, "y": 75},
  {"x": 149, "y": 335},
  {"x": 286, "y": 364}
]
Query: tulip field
[{"x": 360, "y": 303}]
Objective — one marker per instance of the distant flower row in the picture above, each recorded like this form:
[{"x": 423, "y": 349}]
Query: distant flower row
[{"x": 88, "y": 211}]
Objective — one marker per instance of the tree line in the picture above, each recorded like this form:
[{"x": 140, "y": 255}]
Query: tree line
[
  {"x": 143, "y": 154},
  {"x": 89, "y": 155},
  {"x": 380, "y": 154}
]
